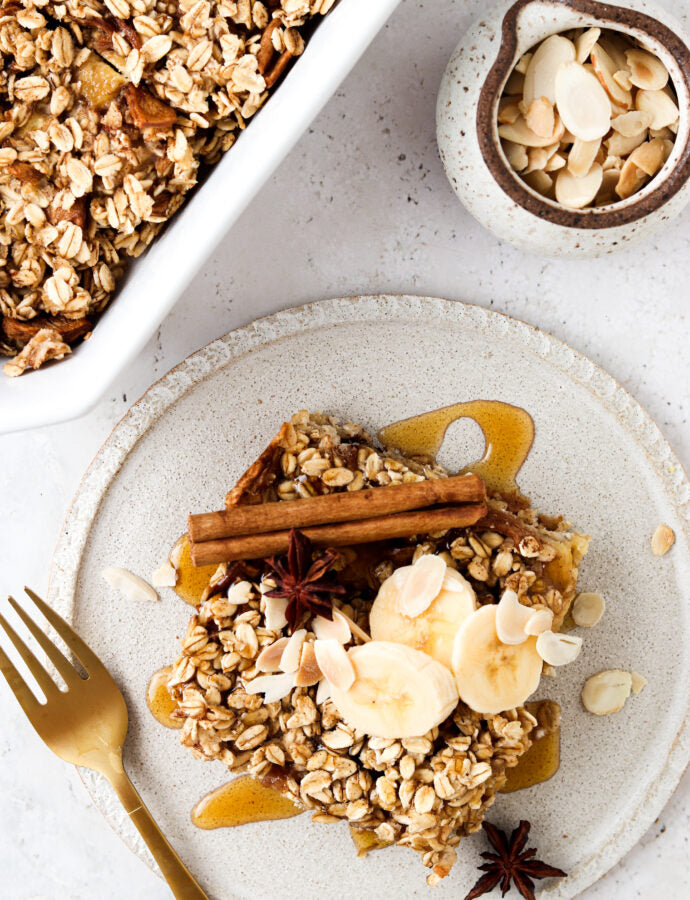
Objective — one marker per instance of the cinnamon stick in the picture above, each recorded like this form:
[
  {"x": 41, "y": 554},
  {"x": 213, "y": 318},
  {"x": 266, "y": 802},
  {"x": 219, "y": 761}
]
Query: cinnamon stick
[
  {"x": 341, "y": 507},
  {"x": 363, "y": 531}
]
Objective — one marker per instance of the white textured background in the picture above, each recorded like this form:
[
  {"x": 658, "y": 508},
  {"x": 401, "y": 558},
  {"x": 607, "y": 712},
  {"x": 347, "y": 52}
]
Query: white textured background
[{"x": 361, "y": 206}]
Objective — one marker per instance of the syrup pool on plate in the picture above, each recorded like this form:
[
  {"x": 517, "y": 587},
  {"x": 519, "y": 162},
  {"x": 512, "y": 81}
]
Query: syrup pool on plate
[
  {"x": 537, "y": 765},
  {"x": 192, "y": 580},
  {"x": 508, "y": 435},
  {"x": 159, "y": 700},
  {"x": 240, "y": 801}
]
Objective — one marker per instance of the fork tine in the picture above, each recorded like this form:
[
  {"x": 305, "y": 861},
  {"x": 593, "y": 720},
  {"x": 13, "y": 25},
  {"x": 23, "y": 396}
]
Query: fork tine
[
  {"x": 81, "y": 650},
  {"x": 43, "y": 679},
  {"x": 58, "y": 659},
  {"x": 19, "y": 687}
]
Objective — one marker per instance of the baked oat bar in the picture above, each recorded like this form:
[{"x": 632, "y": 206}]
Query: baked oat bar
[
  {"x": 111, "y": 109},
  {"x": 425, "y": 791}
]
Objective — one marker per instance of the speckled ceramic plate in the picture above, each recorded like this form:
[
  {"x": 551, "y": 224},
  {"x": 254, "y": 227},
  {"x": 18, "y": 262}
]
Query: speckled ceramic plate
[{"x": 597, "y": 458}]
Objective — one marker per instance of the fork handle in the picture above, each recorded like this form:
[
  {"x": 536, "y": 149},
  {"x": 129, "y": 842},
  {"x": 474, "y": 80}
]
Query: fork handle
[{"x": 181, "y": 881}]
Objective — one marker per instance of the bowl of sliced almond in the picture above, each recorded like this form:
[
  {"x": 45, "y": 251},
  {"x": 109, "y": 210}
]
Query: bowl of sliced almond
[{"x": 564, "y": 126}]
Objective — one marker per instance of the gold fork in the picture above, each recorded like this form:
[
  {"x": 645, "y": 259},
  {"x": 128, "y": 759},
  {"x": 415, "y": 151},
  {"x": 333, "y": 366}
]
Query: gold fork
[{"x": 87, "y": 725}]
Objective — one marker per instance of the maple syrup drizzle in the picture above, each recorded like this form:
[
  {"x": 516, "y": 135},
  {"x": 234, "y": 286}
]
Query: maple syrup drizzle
[
  {"x": 538, "y": 764},
  {"x": 240, "y": 801},
  {"x": 366, "y": 841},
  {"x": 508, "y": 435},
  {"x": 159, "y": 701},
  {"x": 192, "y": 581}
]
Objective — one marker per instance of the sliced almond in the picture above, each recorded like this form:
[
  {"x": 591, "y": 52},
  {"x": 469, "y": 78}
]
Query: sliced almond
[
  {"x": 646, "y": 70},
  {"x": 537, "y": 158},
  {"x": 511, "y": 619},
  {"x": 540, "y": 117},
  {"x": 576, "y": 193},
  {"x": 638, "y": 682},
  {"x": 336, "y": 629},
  {"x": 129, "y": 584},
  {"x": 588, "y": 608},
  {"x": 649, "y": 156},
  {"x": 558, "y": 649},
  {"x": 269, "y": 658},
  {"x": 165, "y": 575},
  {"x": 617, "y": 145},
  {"x": 632, "y": 123},
  {"x": 668, "y": 147},
  {"x": 422, "y": 585},
  {"x": 508, "y": 110},
  {"x": 612, "y": 162},
  {"x": 631, "y": 180},
  {"x": 605, "y": 69},
  {"x": 582, "y": 156},
  {"x": 622, "y": 79},
  {"x": 335, "y": 664},
  {"x": 520, "y": 133},
  {"x": 540, "y": 182},
  {"x": 323, "y": 692},
  {"x": 607, "y": 192},
  {"x": 662, "y": 108},
  {"x": 539, "y": 622},
  {"x": 540, "y": 77},
  {"x": 585, "y": 42},
  {"x": 240, "y": 593},
  {"x": 308, "y": 671},
  {"x": 522, "y": 64},
  {"x": 616, "y": 46},
  {"x": 582, "y": 102},
  {"x": 275, "y": 613},
  {"x": 556, "y": 162},
  {"x": 664, "y": 133},
  {"x": 606, "y": 692},
  {"x": 516, "y": 154},
  {"x": 273, "y": 687},
  {"x": 662, "y": 540},
  {"x": 289, "y": 659}
]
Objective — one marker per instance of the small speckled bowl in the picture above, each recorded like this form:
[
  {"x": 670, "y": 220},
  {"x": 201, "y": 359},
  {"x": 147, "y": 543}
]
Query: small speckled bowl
[{"x": 470, "y": 148}]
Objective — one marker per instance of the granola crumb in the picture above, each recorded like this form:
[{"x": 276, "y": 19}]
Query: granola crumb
[{"x": 46, "y": 344}]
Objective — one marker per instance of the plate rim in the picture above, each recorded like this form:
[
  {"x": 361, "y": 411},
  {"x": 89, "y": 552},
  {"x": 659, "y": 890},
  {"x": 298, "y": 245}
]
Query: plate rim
[{"x": 241, "y": 341}]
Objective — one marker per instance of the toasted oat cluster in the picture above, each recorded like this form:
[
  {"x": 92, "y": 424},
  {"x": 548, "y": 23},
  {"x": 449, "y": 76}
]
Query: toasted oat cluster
[
  {"x": 111, "y": 110},
  {"x": 424, "y": 792}
]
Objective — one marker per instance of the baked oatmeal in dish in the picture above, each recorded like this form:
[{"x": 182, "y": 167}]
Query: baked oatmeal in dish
[
  {"x": 382, "y": 683},
  {"x": 111, "y": 111}
]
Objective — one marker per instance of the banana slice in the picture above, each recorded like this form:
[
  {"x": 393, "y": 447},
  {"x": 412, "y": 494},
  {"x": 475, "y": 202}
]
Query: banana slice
[
  {"x": 433, "y": 630},
  {"x": 398, "y": 692},
  {"x": 492, "y": 676}
]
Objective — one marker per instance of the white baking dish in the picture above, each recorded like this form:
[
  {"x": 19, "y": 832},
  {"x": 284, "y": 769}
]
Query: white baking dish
[{"x": 155, "y": 282}]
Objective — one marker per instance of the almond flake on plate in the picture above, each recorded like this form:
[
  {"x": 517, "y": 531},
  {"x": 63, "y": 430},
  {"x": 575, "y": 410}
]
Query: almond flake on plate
[
  {"x": 662, "y": 540},
  {"x": 129, "y": 585},
  {"x": 165, "y": 576},
  {"x": 606, "y": 692}
]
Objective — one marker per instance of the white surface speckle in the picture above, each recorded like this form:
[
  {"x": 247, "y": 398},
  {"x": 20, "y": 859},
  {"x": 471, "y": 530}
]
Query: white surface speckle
[{"x": 361, "y": 205}]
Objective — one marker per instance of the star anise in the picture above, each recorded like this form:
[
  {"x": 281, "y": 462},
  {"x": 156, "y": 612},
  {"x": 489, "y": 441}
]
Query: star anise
[
  {"x": 511, "y": 862},
  {"x": 301, "y": 580}
]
